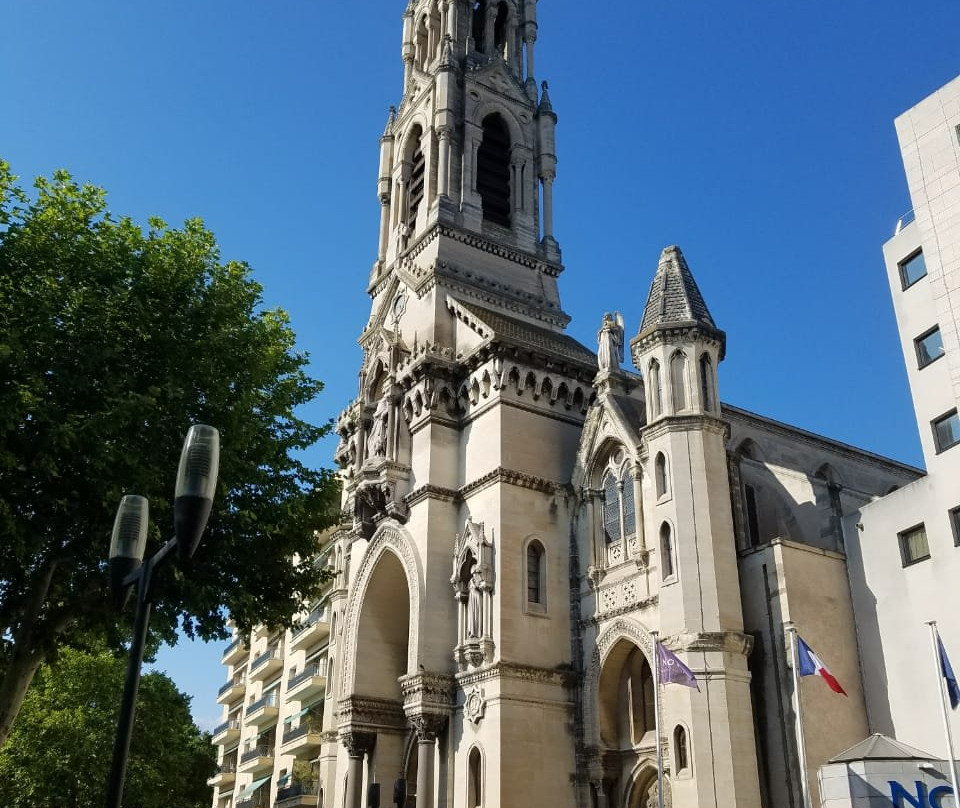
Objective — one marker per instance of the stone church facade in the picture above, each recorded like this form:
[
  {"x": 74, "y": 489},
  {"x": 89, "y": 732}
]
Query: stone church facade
[{"x": 523, "y": 515}]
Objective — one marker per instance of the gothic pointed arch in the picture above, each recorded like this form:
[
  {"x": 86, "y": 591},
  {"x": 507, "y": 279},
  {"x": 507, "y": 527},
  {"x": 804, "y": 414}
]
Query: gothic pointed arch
[
  {"x": 390, "y": 539},
  {"x": 493, "y": 170}
]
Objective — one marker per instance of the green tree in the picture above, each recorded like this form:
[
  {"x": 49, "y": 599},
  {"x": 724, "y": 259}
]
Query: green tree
[
  {"x": 112, "y": 341},
  {"x": 59, "y": 750}
]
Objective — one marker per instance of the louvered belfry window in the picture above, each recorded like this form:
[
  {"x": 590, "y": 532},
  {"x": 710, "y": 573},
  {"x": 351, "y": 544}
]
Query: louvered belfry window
[
  {"x": 493, "y": 171},
  {"x": 417, "y": 175}
]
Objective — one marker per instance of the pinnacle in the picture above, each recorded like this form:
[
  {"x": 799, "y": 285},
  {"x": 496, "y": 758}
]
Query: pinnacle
[{"x": 675, "y": 298}]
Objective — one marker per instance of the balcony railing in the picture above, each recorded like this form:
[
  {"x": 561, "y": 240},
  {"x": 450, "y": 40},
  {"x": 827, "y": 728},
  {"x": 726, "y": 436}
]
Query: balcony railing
[
  {"x": 293, "y": 792},
  {"x": 270, "y": 700},
  {"x": 236, "y": 681},
  {"x": 305, "y": 728},
  {"x": 254, "y": 802},
  {"x": 226, "y": 726},
  {"x": 904, "y": 220},
  {"x": 262, "y": 751},
  {"x": 312, "y": 670},
  {"x": 265, "y": 657},
  {"x": 226, "y": 768},
  {"x": 317, "y": 614}
]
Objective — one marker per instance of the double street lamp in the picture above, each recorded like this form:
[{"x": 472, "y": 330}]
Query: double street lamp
[{"x": 193, "y": 500}]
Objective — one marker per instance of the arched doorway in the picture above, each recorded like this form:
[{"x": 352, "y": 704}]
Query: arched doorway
[{"x": 382, "y": 654}]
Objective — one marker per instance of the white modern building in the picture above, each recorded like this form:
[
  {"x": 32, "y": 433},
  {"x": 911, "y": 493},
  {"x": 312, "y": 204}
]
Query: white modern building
[{"x": 523, "y": 515}]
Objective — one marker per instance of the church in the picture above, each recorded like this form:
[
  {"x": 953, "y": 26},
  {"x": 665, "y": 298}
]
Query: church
[{"x": 524, "y": 517}]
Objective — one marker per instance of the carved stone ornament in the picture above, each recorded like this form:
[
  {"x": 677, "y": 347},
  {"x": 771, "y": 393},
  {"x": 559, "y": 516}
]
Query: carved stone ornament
[
  {"x": 475, "y": 706},
  {"x": 427, "y": 726},
  {"x": 358, "y": 744},
  {"x": 473, "y": 584}
]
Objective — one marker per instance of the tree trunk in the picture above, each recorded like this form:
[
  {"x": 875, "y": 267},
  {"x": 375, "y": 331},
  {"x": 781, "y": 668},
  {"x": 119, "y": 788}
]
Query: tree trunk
[
  {"x": 28, "y": 654},
  {"x": 13, "y": 689}
]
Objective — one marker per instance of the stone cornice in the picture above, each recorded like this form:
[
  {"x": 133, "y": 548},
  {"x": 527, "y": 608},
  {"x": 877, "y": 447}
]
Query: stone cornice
[
  {"x": 684, "y": 423},
  {"x": 728, "y": 642},
  {"x": 524, "y": 673},
  {"x": 429, "y": 491},
  {"x": 362, "y": 714},
  {"x": 503, "y": 476}
]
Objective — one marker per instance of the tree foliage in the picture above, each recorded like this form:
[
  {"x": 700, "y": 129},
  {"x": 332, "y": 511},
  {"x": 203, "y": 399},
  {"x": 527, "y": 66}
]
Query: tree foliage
[
  {"x": 113, "y": 340},
  {"x": 60, "y": 749}
]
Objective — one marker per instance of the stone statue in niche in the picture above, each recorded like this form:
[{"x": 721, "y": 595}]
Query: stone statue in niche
[
  {"x": 610, "y": 342},
  {"x": 473, "y": 587},
  {"x": 378, "y": 431}
]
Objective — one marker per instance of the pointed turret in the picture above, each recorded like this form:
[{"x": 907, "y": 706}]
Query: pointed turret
[
  {"x": 678, "y": 344},
  {"x": 675, "y": 298}
]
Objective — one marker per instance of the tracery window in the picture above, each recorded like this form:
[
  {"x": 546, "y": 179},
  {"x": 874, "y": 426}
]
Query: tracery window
[{"x": 619, "y": 505}]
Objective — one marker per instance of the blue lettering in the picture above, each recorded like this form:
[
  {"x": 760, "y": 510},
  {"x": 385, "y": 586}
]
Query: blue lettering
[
  {"x": 937, "y": 795},
  {"x": 898, "y": 794}
]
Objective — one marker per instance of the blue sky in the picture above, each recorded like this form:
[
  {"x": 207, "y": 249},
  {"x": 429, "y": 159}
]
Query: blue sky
[{"x": 756, "y": 135}]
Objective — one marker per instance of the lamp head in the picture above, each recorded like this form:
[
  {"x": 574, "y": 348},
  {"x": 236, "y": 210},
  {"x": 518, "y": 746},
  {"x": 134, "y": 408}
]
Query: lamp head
[
  {"x": 196, "y": 484},
  {"x": 127, "y": 544}
]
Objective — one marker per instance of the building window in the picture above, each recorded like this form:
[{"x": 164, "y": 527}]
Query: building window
[
  {"x": 706, "y": 383},
  {"x": 955, "y": 525},
  {"x": 417, "y": 181},
  {"x": 656, "y": 390},
  {"x": 946, "y": 431},
  {"x": 753, "y": 514},
  {"x": 680, "y": 749},
  {"x": 666, "y": 552},
  {"x": 913, "y": 545},
  {"x": 493, "y": 171},
  {"x": 929, "y": 347},
  {"x": 912, "y": 269},
  {"x": 678, "y": 381},
  {"x": 535, "y": 574},
  {"x": 475, "y": 780},
  {"x": 611, "y": 509},
  {"x": 629, "y": 505},
  {"x": 662, "y": 481}
]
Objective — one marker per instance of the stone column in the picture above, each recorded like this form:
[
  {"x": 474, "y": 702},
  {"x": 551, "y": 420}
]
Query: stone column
[
  {"x": 384, "y": 226},
  {"x": 443, "y": 163},
  {"x": 548, "y": 177},
  {"x": 427, "y": 726},
  {"x": 358, "y": 744},
  {"x": 489, "y": 23},
  {"x": 529, "y": 38}
]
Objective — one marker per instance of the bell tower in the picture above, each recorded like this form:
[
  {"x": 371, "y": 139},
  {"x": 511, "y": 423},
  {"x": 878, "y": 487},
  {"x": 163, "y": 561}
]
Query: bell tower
[
  {"x": 455, "y": 641},
  {"x": 468, "y": 158}
]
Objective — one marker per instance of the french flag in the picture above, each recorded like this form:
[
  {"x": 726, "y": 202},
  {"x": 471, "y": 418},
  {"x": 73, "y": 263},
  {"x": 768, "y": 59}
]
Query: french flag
[{"x": 811, "y": 665}]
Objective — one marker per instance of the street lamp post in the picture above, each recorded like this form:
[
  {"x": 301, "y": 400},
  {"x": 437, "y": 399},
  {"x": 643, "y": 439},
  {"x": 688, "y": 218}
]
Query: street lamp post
[{"x": 193, "y": 499}]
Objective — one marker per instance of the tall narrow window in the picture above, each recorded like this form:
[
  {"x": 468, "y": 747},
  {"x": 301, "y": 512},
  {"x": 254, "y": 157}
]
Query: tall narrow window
[
  {"x": 500, "y": 29},
  {"x": 611, "y": 509},
  {"x": 706, "y": 383},
  {"x": 493, "y": 171},
  {"x": 629, "y": 504},
  {"x": 680, "y": 750},
  {"x": 535, "y": 573},
  {"x": 678, "y": 381},
  {"x": 753, "y": 515},
  {"x": 662, "y": 481},
  {"x": 417, "y": 179},
  {"x": 479, "y": 20},
  {"x": 656, "y": 390},
  {"x": 475, "y": 784},
  {"x": 666, "y": 552},
  {"x": 955, "y": 524}
]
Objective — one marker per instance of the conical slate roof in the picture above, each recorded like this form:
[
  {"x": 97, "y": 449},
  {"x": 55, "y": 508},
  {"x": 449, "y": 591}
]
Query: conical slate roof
[
  {"x": 674, "y": 296},
  {"x": 880, "y": 747}
]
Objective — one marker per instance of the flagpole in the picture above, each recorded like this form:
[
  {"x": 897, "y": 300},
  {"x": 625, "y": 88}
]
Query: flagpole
[
  {"x": 934, "y": 639},
  {"x": 656, "y": 712},
  {"x": 791, "y": 629}
]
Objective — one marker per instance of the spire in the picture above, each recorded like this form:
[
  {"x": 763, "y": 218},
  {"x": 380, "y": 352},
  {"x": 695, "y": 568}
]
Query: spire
[
  {"x": 674, "y": 297},
  {"x": 545, "y": 105}
]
